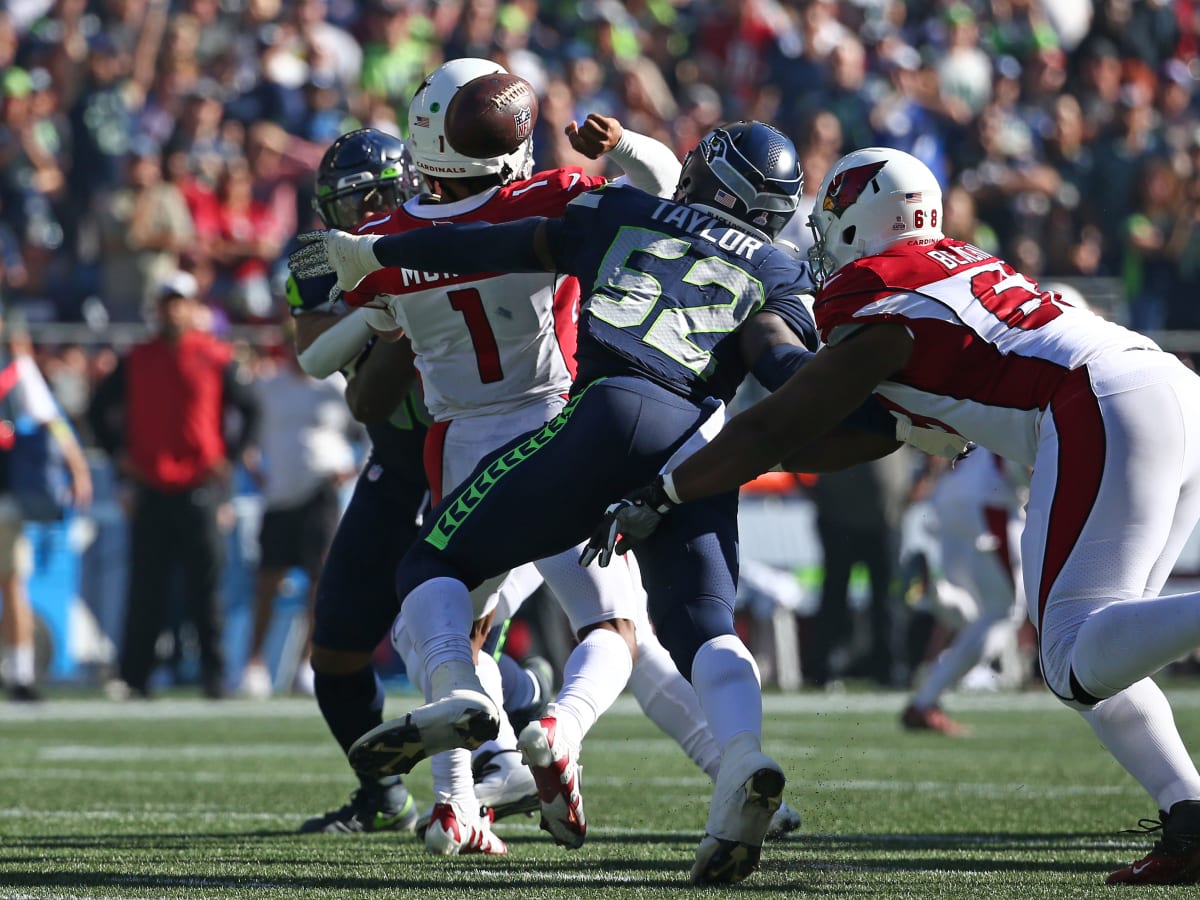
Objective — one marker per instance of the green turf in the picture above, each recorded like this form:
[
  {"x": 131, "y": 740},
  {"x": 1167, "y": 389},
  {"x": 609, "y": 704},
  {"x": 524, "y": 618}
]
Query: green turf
[{"x": 181, "y": 798}]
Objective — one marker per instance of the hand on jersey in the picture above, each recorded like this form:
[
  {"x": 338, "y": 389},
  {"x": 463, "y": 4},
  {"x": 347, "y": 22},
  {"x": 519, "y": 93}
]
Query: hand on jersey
[
  {"x": 349, "y": 256},
  {"x": 596, "y": 136},
  {"x": 627, "y": 523}
]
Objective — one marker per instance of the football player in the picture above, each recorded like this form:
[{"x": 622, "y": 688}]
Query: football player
[
  {"x": 979, "y": 508},
  {"x": 1109, "y": 423},
  {"x": 496, "y": 356},
  {"x": 681, "y": 298}
]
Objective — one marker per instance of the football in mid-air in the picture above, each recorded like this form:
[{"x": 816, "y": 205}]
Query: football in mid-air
[{"x": 491, "y": 115}]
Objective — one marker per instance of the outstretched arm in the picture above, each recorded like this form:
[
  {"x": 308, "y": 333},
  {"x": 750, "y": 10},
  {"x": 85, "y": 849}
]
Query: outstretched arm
[
  {"x": 467, "y": 249},
  {"x": 649, "y": 165}
]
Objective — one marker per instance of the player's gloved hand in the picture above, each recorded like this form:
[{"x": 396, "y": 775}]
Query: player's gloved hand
[
  {"x": 596, "y": 136},
  {"x": 627, "y": 522},
  {"x": 933, "y": 441},
  {"x": 349, "y": 256}
]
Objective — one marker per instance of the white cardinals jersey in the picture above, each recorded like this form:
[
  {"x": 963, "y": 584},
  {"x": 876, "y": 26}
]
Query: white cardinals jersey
[
  {"x": 993, "y": 347},
  {"x": 484, "y": 344}
]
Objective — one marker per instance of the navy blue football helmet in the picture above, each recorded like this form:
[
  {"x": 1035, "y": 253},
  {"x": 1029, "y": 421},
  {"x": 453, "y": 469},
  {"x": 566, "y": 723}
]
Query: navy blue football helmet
[
  {"x": 364, "y": 173},
  {"x": 747, "y": 171}
]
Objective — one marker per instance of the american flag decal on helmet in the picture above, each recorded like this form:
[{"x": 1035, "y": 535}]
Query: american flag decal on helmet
[
  {"x": 421, "y": 121},
  {"x": 725, "y": 199},
  {"x": 912, "y": 197}
]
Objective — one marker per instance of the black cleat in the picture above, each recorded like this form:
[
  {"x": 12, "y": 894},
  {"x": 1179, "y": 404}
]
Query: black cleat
[{"x": 373, "y": 807}]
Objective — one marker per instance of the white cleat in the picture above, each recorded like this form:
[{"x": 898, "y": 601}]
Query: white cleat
[
  {"x": 784, "y": 822},
  {"x": 464, "y": 718},
  {"x": 557, "y": 773},
  {"x": 504, "y": 784},
  {"x": 451, "y": 833},
  {"x": 748, "y": 792}
]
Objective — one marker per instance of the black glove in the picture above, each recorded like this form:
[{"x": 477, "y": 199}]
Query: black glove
[{"x": 627, "y": 522}]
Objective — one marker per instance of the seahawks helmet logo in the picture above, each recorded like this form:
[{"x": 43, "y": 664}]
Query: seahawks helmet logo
[{"x": 847, "y": 187}]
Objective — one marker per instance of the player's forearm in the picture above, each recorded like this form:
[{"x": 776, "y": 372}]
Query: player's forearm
[
  {"x": 328, "y": 346},
  {"x": 648, "y": 164}
]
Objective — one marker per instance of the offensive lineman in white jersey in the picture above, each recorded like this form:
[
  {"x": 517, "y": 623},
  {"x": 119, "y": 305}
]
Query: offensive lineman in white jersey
[
  {"x": 1110, "y": 424},
  {"x": 496, "y": 359}
]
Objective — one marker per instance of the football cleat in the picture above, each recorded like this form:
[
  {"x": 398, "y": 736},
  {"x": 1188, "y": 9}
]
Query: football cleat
[
  {"x": 748, "y": 792},
  {"x": 784, "y": 822},
  {"x": 452, "y": 834},
  {"x": 504, "y": 784},
  {"x": 932, "y": 719},
  {"x": 557, "y": 773},
  {"x": 373, "y": 807},
  {"x": 1175, "y": 858},
  {"x": 463, "y": 719}
]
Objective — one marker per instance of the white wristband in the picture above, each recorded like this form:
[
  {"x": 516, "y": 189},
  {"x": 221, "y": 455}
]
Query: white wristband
[{"x": 668, "y": 483}]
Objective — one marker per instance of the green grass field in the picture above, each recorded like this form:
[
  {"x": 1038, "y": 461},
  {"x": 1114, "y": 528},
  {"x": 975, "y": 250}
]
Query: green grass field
[{"x": 180, "y": 798}]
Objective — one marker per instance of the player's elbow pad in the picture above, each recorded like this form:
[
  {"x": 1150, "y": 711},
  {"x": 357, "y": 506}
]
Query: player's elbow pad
[
  {"x": 778, "y": 363},
  {"x": 336, "y": 346},
  {"x": 472, "y": 248}
]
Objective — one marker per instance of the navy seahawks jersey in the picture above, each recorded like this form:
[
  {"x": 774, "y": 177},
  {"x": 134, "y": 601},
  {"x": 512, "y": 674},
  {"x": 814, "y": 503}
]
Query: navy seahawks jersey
[
  {"x": 398, "y": 443},
  {"x": 666, "y": 288}
]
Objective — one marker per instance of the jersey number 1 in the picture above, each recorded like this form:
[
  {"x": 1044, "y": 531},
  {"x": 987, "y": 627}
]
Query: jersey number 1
[{"x": 487, "y": 353}]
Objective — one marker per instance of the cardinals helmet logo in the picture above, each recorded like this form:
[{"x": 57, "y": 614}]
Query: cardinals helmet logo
[{"x": 846, "y": 187}]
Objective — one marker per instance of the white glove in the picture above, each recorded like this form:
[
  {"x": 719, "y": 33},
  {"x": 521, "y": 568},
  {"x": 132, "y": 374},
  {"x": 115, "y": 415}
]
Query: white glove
[
  {"x": 350, "y": 256},
  {"x": 933, "y": 441}
]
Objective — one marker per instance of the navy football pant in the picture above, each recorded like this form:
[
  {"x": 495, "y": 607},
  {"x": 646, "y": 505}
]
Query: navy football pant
[
  {"x": 546, "y": 491},
  {"x": 356, "y": 592}
]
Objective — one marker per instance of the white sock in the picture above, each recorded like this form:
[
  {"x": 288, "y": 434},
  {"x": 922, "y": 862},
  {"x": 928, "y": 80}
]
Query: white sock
[
  {"x": 1130, "y": 639},
  {"x": 16, "y": 664},
  {"x": 453, "y": 782},
  {"x": 727, "y": 684},
  {"x": 955, "y": 661},
  {"x": 489, "y": 677},
  {"x": 438, "y": 615},
  {"x": 671, "y": 703},
  {"x": 1138, "y": 728},
  {"x": 593, "y": 677}
]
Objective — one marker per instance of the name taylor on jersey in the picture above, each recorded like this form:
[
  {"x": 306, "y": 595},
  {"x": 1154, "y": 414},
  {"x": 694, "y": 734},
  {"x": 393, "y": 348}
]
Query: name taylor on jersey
[{"x": 708, "y": 227}]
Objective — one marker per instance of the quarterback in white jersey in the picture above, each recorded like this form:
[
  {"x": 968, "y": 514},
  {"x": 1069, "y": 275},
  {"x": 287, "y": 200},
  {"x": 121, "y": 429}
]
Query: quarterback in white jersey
[{"x": 955, "y": 338}]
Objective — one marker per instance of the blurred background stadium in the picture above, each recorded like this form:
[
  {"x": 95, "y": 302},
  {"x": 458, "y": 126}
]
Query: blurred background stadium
[{"x": 139, "y": 138}]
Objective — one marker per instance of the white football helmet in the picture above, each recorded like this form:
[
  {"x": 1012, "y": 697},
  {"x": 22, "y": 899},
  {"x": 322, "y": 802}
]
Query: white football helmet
[
  {"x": 870, "y": 200},
  {"x": 431, "y": 149}
]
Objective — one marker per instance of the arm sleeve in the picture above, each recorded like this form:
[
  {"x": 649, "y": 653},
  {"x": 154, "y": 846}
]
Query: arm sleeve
[
  {"x": 240, "y": 397},
  {"x": 103, "y": 412},
  {"x": 37, "y": 400},
  {"x": 337, "y": 346},
  {"x": 466, "y": 249},
  {"x": 648, "y": 164}
]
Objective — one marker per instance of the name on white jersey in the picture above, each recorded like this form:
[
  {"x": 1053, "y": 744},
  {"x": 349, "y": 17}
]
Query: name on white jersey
[
  {"x": 953, "y": 257},
  {"x": 412, "y": 277},
  {"x": 698, "y": 223}
]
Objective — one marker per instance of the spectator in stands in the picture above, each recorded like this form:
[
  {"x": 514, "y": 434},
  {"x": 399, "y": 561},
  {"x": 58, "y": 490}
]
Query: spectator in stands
[
  {"x": 26, "y": 407},
  {"x": 162, "y": 416},
  {"x": 144, "y": 228}
]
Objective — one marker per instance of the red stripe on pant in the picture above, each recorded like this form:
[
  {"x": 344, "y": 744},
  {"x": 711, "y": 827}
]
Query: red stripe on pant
[
  {"x": 1081, "y": 456},
  {"x": 435, "y": 444}
]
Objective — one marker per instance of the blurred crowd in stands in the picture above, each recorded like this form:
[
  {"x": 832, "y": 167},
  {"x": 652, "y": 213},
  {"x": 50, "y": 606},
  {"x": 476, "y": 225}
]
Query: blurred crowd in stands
[{"x": 139, "y": 136}]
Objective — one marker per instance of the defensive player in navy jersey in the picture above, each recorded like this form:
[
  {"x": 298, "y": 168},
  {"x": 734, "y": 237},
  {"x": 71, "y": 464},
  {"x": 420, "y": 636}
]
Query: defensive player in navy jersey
[
  {"x": 354, "y": 601},
  {"x": 681, "y": 299}
]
